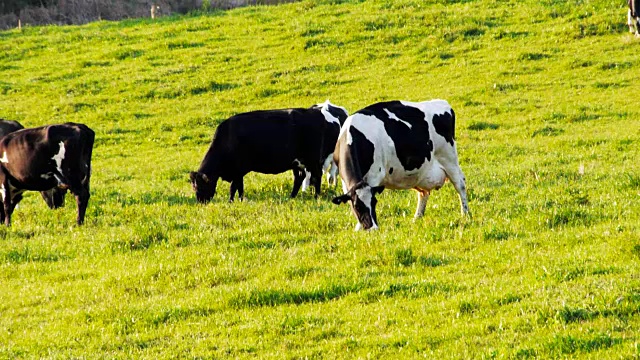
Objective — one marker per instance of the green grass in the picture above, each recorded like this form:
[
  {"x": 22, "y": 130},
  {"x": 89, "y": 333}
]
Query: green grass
[{"x": 547, "y": 267}]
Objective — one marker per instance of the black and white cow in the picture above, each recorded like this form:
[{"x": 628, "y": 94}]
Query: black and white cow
[
  {"x": 633, "y": 18},
  {"x": 397, "y": 145},
  {"x": 54, "y": 197},
  {"x": 335, "y": 117},
  {"x": 44, "y": 158},
  {"x": 265, "y": 141}
]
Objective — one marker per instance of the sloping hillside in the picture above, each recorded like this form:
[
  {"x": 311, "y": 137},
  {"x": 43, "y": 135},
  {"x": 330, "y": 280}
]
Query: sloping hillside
[{"x": 547, "y": 133}]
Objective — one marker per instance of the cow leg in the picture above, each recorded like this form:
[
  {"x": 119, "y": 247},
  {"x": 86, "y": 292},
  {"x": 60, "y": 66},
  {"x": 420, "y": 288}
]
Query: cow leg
[
  {"x": 307, "y": 181},
  {"x": 317, "y": 182},
  {"x": 240, "y": 188},
  {"x": 454, "y": 173},
  {"x": 630, "y": 21},
  {"x": 232, "y": 190},
  {"x": 459, "y": 182},
  {"x": 423, "y": 196},
  {"x": 6, "y": 200},
  {"x": 298, "y": 178},
  {"x": 332, "y": 174},
  {"x": 82, "y": 196},
  {"x": 637, "y": 26}
]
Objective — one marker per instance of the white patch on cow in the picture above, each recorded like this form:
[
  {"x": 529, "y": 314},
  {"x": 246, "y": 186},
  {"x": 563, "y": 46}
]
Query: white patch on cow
[
  {"x": 345, "y": 188},
  {"x": 306, "y": 182},
  {"x": 46, "y": 176},
  {"x": 3, "y": 192},
  {"x": 345, "y": 129},
  {"x": 394, "y": 117},
  {"x": 430, "y": 108},
  {"x": 59, "y": 157},
  {"x": 324, "y": 109},
  {"x": 4, "y": 158}
]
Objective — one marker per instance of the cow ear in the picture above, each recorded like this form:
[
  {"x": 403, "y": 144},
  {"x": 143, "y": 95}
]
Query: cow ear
[
  {"x": 377, "y": 189},
  {"x": 341, "y": 199},
  {"x": 193, "y": 176}
]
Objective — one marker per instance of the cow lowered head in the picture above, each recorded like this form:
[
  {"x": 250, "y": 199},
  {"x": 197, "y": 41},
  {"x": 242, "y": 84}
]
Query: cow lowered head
[
  {"x": 204, "y": 188},
  {"x": 362, "y": 199}
]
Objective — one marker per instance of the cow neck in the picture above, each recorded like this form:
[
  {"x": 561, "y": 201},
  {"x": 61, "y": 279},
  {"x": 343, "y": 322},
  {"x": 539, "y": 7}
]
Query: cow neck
[{"x": 350, "y": 167}]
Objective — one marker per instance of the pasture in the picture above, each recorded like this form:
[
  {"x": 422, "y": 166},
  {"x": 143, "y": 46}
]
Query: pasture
[{"x": 547, "y": 132}]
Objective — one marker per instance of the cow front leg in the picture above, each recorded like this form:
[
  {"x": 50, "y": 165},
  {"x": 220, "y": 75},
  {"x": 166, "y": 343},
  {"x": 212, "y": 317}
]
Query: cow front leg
[
  {"x": 298, "y": 177},
  {"x": 7, "y": 206},
  {"x": 423, "y": 196},
  {"x": 233, "y": 188},
  {"x": 82, "y": 200},
  {"x": 317, "y": 182},
  {"x": 240, "y": 187},
  {"x": 630, "y": 21}
]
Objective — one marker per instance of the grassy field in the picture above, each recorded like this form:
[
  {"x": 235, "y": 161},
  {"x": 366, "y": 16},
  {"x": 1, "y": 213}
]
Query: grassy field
[{"x": 548, "y": 136}]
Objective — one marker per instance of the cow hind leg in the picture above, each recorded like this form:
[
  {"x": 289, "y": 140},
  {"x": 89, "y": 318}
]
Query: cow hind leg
[
  {"x": 423, "y": 196},
  {"x": 630, "y": 22},
  {"x": 456, "y": 176}
]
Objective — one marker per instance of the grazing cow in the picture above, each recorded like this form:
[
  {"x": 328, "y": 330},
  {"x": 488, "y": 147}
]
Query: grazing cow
[
  {"x": 44, "y": 158},
  {"x": 265, "y": 141},
  {"x": 633, "y": 19},
  {"x": 335, "y": 117},
  {"x": 398, "y": 145},
  {"x": 54, "y": 198}
]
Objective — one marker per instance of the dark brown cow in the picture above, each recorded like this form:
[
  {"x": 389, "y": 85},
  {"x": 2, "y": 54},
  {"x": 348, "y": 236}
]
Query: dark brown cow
[
  {"x": 54, "y": 198},
  {"x": 44, "y": 158}
]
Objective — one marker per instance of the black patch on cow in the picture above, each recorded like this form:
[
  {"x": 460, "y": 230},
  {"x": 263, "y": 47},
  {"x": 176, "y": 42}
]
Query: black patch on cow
[
  {"x": 338, "y": 113},
  {"x": 390, "y": 171},
  {"x": 361, "y": 150},
  {"x": 413, "y": 144},
  {"x": 445, "y": 125}
]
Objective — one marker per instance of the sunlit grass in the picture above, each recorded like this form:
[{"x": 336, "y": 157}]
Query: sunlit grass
[{"x": 547, "y": 136}]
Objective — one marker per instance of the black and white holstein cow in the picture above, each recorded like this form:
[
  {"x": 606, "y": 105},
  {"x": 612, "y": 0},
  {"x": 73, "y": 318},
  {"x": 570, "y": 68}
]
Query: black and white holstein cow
[
  {"x": 335, "y": 117},
  {"x": 633, "y": 18},
  {"x": 264, "y": 141},
  {"x": 45, "y": 158},
  {"x": 54, "y": 197},
  {"x": 397, "y": 145}
]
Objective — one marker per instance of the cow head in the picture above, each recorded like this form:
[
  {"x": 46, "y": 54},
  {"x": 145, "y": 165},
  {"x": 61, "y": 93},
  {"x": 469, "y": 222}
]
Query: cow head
[
  {"x": 204, "y": 188},
  {"x": 362, "y": 199},
  {"x": 54, "y": 197}
]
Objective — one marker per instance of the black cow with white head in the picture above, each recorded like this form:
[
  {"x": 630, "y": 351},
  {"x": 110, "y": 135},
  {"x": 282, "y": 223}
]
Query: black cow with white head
[
  {"x": 54, "y": 198},
  {"x": 397, "y": 145},
  {"x": 46, "y": 158},
  {"x": 267, "y": 142}
]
